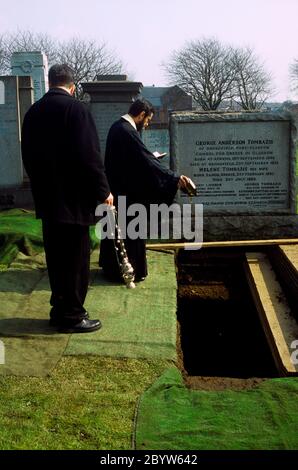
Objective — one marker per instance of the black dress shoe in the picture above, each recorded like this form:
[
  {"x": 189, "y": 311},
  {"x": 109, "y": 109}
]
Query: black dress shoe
[
  {"x": 62, "y": 321},
  {"x": 84, "y": 326}
]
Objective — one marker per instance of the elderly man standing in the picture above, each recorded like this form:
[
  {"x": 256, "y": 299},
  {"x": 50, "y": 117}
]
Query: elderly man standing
[{"x": 61, "y": 155}]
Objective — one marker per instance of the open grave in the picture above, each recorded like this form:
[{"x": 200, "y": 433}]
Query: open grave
[{"x": 237, "y": 317}]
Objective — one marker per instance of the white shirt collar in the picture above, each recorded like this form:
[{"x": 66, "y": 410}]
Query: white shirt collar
[{"x": 128, "y": 118}]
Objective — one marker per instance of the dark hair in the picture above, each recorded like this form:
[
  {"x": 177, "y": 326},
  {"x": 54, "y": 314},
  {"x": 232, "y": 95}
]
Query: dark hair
[
  {"x": 141, "y": 105},
  {"x": 61, "y": 75}
]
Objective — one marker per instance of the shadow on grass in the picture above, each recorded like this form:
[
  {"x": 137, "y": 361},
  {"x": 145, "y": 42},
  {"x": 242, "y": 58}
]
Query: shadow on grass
[
  {"x": 99, "y": 279},
  {"x": 22, "y": 281},
  {"x": 26, "y": 327}
]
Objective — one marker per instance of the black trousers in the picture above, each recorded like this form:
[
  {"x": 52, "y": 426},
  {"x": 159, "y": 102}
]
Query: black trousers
[
  {"x": 67, "y": 249},
  {"x": 136, "y": 253}
]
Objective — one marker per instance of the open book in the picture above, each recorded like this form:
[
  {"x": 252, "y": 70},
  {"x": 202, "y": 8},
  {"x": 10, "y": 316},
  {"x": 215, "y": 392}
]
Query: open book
[{"x": 159, "y": 155}]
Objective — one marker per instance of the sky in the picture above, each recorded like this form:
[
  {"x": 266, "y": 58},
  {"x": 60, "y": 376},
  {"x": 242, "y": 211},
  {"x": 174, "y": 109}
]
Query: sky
[{"x": 144, "y": 33}]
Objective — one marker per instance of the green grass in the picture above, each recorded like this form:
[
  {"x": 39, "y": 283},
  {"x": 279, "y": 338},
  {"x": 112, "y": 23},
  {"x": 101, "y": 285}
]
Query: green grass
[
  {"x": 260, "y": 418},
  {"x": 87, "y": 403}
]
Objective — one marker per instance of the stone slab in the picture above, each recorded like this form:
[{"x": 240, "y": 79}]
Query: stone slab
[
  {"x": 279, "y": 325},
  {"x": 241, "y": 162},
  {"x": 16, "y": 196},
  {"x": 105, "y": 114},
  {"x": 10, "y": 151},
  {"x": 158, "y": 140},
  {"x": 108, "y": 101},
  {"x": 249, "y": 227},
  {"x": 115, "y": 91},
  {"x": 34, "y": 64}
]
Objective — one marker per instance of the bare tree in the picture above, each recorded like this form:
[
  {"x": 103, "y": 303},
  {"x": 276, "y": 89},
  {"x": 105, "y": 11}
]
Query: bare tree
[
  {"x": 294, "y": 74},
  {"x": 252, "y": 82},
  {"x": 88, "y": 60},
  {"x": 204, "y": 70},
  {"x": 25, "y": 41},
  {"x": 2, "y": 54}
]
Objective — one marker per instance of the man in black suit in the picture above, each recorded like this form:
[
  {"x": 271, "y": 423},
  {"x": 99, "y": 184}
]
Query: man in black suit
[
  {"x": 133, "y": 171},
  {"x": 61, "y": 155}
]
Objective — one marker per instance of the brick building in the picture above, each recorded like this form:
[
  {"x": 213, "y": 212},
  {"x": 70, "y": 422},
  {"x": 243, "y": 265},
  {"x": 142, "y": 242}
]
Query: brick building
[{"x": 165, "y": 100}]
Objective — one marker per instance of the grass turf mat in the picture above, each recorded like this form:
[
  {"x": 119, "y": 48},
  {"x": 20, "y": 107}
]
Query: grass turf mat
[
  {"x": 21, "y": 232},
  {"x": 138, "y": 322},
  {"x": 32, "y": 347},
  {"x": 172, "y": 417},
  {"x": 86, "y": 403}
]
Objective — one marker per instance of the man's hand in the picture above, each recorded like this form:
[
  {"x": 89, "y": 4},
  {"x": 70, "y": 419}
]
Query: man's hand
[
  {"x": 183, "y": 182},
  {"x": 109, "y": 200}
]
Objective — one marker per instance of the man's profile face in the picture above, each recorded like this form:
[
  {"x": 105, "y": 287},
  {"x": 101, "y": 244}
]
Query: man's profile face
[{"x": 144, "y": 122}]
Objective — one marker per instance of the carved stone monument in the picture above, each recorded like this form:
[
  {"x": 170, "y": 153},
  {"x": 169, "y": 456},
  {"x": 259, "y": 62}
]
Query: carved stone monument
[
  {"x": 110, "y": 98},
  {"x": 156, "y": 138},
  {"x": 10, "y": 153},
  {"x": 244, "y": 167},
  {"x": 34, "y": 64}
]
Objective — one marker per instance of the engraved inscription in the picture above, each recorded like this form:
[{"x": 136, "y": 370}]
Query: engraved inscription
[{"x": 239, "y": 165}]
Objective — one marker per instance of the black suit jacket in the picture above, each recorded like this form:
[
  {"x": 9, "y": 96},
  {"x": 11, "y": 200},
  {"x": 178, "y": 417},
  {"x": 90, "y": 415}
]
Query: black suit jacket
[
  {"x": 61, "y": 155},
  {"x": 133, "y": 171}
]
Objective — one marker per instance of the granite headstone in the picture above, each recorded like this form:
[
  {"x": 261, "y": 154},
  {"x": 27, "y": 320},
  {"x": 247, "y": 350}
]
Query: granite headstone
[
  {"x": 109, "y": 100},
  {"x": 34, "y": 64},
  {"x": 10, "y": 152},
  {"x": 2, "y": 93},
  {"x": 158, "y": 139},
  {"x": 243, "y": 164}
]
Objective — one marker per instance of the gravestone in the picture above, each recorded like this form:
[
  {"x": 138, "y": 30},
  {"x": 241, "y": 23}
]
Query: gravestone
[
  {"x": 26, "y": 99},
  {"x": 34, "y": 64},
  {"x": 10, "y": 152},
  {"x": 109, "y": 100},
  {"x": 26, "y": 95},
  {"x": 2, "y": 93},
  {"x": 243, "y": 165}
]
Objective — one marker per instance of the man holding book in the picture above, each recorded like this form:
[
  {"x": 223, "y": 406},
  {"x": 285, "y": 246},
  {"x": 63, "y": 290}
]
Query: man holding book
[{"x": 135, "y": 172}]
